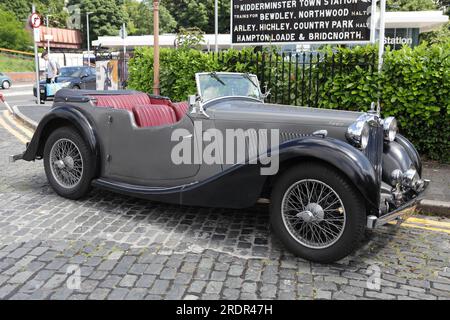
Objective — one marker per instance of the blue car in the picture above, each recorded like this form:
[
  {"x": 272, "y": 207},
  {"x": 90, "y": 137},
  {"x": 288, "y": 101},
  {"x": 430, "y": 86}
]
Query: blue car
[{"x": 5, "y": 81}]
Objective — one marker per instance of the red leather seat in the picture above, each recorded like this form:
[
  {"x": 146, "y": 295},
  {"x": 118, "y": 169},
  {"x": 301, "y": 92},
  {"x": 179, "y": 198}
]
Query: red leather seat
[
  {"x": 126, "y": 101},
  {"x": 153, "y": 115},
  {"x": 180, "y": 108},
  {"x": 159, "y": 101}
]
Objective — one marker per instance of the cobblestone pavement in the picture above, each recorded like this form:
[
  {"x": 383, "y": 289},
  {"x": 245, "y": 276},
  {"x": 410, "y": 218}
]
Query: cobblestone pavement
[{"x": 124, "y": 248}]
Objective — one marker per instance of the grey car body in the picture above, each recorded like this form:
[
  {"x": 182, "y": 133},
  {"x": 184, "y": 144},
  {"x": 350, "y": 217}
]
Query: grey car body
[{"x": 379, "y": 167}]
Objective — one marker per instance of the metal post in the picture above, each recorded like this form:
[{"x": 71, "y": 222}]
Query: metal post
[
  {"x": 382, "y": 34},
  {"x": 124, "y": 52},
  {"x": 373, "y": 27},
  {"x": 48, "y": 38},
  {"x": 156, "y": 47},
  {"x": 36, "y": 61},
  {"x": 88, "y": 40},
  {"x": 216, "y": 24}
]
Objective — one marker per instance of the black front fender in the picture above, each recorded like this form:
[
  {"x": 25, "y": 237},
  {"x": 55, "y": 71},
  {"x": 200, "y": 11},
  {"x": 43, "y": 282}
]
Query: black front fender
[
  {"x": 349, "y": 160},
  {"x": 57, "y": 117}
]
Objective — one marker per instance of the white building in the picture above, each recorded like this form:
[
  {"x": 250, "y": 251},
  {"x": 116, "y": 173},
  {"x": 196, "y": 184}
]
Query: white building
[{"x": 401, "y": 28}]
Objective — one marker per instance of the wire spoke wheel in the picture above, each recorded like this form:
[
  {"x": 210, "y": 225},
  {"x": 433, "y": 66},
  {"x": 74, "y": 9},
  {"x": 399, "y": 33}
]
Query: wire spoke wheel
[
  {"x": 313, "y": 213},
  {"x": 66, "y": 163}
]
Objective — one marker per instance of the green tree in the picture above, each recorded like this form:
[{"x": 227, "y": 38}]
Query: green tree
[
  {"x": 199, "y": 14},
  {"x": 20, "y": 8},
  {"x": 106, "y": 18},
  {"x": 189, "y": 13},
  {"x": 57, "y": 10},
  {"x": 411, "y": 5},
  {"x": 12, "y": 32},
  {"x": 140, "y": 18}
]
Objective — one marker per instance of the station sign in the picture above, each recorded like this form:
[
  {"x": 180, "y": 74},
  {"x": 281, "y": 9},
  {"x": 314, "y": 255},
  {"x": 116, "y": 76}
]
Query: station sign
[{"x": 300, "y": 21}]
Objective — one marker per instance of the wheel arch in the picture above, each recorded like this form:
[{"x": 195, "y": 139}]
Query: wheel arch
[
  {"x": 350, "y": 162},
  {"x": 61, "y": 117}
]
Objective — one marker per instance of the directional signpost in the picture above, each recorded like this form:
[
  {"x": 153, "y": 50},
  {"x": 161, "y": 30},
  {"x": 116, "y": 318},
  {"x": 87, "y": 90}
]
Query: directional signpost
[{"x": 275, "y": 22}]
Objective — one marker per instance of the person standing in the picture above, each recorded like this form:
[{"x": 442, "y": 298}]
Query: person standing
[{"x": 52, "y": 68}]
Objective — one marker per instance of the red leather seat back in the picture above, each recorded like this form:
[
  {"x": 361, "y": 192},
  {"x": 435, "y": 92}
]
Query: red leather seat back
[
  {"x": 153, "y": 115},
  {"x": 180, "y": 108},
  {"x": 159, "y": 101},
  {"x": 126, "y": 101}
]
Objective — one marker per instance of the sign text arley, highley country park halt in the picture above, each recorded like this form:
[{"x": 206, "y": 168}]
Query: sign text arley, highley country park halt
[{"x": 307, "y": 21}]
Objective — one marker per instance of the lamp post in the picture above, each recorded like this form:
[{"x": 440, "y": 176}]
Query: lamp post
[
  {"x": 156, "y": 47},
  {"x": 88, "y": 40},
  {"x": 48, "y": 36}
]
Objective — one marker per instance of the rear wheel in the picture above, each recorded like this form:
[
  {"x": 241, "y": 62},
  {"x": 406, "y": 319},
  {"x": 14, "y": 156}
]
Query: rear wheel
[
  {"x": 69, "y": 164},
  {"x": 317, "y": 213}
]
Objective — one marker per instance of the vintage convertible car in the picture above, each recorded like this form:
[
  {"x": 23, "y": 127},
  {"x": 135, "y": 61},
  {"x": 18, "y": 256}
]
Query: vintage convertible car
[{"x": 330, "y": 175}]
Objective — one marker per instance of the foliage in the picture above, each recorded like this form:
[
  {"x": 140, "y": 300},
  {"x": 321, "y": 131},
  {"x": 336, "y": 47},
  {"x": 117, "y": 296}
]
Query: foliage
[
  {"x": 106, "y": 18},
  {"x": 441, "y": 35},
  {"x": 12, "y": 32},
  {"x": 411, "y": 5},
  {"x": 140, "y": 18},
  {"x": 190, "y": 38},
  {"x": 414, "y": 85},
  {"x": 200, "y": 14},
  {"x": 12, "y": 64},
  {"x": 22, "y": 9}
]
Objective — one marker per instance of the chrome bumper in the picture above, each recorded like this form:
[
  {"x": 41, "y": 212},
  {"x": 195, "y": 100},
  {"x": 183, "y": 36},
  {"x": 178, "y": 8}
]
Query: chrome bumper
[{"x": 374, "y": 222}]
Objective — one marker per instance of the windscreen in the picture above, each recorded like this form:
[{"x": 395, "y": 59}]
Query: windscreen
[{"x": 216, "y": 85}]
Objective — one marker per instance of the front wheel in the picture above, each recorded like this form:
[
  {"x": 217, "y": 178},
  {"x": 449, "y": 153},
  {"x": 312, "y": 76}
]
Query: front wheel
[
  {"x": 6, "y": 84},
  {"x": 69, "y": 164},
  {"x": 317, "y": 213}
]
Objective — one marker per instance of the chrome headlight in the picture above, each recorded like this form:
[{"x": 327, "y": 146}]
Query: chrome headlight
[
  {"x": 390, "y": 128},
  {"x": 358, "y": 134}
]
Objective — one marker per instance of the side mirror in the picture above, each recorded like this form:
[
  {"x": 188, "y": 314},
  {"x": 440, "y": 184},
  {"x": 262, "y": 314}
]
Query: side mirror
[
  {"x": 192, "y": 100},
  {"x": 266, "y": 93}
]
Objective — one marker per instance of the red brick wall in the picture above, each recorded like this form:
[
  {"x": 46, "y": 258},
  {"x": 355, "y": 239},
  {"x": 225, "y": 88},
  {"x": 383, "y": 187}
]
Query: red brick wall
[{"x": 21, "y": 76}]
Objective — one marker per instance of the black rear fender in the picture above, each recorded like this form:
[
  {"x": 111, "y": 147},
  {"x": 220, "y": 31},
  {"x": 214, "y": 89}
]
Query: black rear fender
[{"x": 56, "y": 118}]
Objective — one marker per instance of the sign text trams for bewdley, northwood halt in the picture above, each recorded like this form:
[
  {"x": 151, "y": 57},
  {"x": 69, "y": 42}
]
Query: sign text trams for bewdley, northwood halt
[{"x": 307, "y": 21}]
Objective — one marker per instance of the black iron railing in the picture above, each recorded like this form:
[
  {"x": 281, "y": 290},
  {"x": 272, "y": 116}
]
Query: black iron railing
[{"x": 294, "y": 78}]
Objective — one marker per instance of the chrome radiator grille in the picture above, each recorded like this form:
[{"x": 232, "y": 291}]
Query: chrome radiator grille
[{"x": 374, "y": 150}]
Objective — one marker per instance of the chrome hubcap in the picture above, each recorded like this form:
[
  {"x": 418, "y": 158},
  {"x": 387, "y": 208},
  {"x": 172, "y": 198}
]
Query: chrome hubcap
[
  {"x": 313, "y": 213},
  {"x": 66, "y": 163}
]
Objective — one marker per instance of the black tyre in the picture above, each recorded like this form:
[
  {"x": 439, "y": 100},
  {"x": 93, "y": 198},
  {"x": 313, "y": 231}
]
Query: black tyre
[
  {"x": 69, "y": 164},
  {"x": 317, "y": 213},
  {"x": 6, "y": 84}
]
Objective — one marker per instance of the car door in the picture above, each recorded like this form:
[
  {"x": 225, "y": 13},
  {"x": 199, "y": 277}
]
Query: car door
[
  {"x": 143, "y": 156},
  {"x": 89, "y": 79}
]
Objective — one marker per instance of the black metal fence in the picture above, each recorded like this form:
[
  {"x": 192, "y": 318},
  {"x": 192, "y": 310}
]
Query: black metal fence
[{"x": 294, "y": 78}]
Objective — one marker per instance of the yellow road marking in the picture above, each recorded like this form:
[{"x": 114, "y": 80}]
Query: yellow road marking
[
  {"x": 432, "y": 223},
  {"x": 407, "y": 225},
  {"x": 14, "y": 132},
  {"x": 10, "y": 118}
]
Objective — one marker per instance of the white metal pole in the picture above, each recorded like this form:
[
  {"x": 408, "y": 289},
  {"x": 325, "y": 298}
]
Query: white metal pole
[
  {"x": 381, "y": 47},
  {"x": 88, "y": 40},
  {"x": 36, "y": 62},
  {"x": 216, "y": 24},
  {"x": 124, "y": 52},
  {"x": 382, "y": 34},
  {"x": 48, "y": 38},
  {"x": 373, "y": 27}
]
